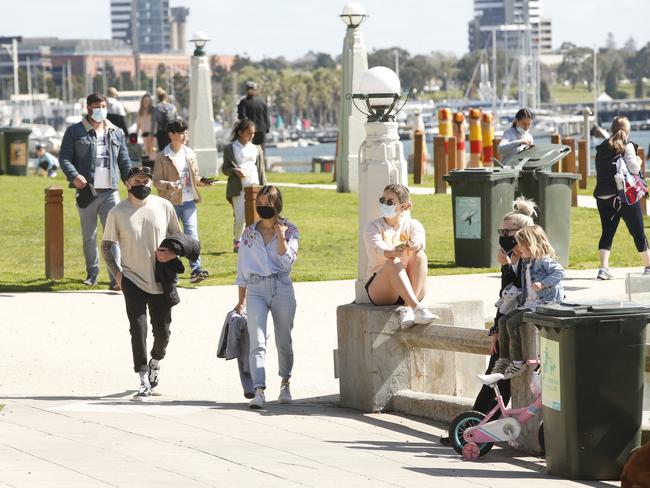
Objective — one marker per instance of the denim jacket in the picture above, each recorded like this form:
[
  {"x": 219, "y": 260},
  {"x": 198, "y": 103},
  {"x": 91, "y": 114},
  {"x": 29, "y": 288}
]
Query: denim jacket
[
  {"x": 79, "y": 147},
  {"x": 550, "y": 273}
]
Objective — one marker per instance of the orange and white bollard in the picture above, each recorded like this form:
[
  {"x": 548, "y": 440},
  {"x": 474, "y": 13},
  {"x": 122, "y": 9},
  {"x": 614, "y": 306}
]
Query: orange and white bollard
[
  {"x": 487, "y": 131},
  {"x": 444, "y": 122},
  {"x": 459, "y": 129},
  {"x": 475, "y": 138}
]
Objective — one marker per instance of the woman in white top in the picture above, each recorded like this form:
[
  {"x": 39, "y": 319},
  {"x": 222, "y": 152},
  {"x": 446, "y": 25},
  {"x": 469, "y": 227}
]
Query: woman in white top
[
  {"x": 397, "y": 264},
  {"x": 144, "y": 121},
  {"x": 268, "y": 250},
  {"x": 243, "y": 164},
  {"x": 518, "y": 137}
]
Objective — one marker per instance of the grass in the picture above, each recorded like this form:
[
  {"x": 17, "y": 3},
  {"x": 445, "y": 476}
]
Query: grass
[
  {"x": 327, "y": 222},
  {"x": 581, "y": 94}
]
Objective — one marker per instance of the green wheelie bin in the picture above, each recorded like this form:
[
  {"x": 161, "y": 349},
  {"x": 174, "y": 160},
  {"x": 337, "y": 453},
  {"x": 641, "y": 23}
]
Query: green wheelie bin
[
  {"x": 480, "y": 199},
  {"x": 550, "y": 191},
  {"x": 14, "y": 150},
  {"x": 593, "y": 357}
]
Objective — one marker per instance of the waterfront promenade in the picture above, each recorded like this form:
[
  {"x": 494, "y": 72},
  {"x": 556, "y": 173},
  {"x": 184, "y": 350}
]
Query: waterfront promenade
[{"x": 70, "y": 420}]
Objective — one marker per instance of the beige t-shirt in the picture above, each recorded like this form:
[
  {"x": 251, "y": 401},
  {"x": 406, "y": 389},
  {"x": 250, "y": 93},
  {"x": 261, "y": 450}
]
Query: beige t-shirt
[{"x": 139, "y": 231}]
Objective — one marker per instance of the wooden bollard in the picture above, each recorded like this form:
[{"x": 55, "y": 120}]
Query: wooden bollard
[
  {"x": 570, "y": 167},
  {"x": 644, "y": 203},
  {"x": 555, "y": 139},
  {"x": 459, "y": 131},
  {"x": 583, "y": 164},
  {"x": 440, "y": 163},
  {"x": 250, "y": 195},
  {"x": 53, "y": 233},
  {"x": 495, "y": 147},
  {"x": 418, "y": 157},
  {"x": 487, "y": 134},
  {"x": 452, "y": 162},
  {"x": 475, "y": 138}
]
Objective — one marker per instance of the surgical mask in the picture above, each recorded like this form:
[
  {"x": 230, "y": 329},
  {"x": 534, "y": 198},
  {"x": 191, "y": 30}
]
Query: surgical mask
[
  {"x": 507, "y": 243},
  {"x": 99, "y": 114},
  {"x": 140, "y": 192},
  {"x": 388, "y": 211},
  {"x": 265, "y": 212},
  {"x": 521, "y": 130}
]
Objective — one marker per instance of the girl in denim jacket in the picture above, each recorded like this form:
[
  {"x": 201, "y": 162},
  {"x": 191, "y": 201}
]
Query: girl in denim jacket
[{"x": 542, "y": 283}]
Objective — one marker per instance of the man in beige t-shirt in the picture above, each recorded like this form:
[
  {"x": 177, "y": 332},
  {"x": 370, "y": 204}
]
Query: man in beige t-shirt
[{"x": 138, "y": 225}]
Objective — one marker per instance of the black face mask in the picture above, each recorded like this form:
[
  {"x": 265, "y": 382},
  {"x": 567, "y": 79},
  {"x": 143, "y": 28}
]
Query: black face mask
[
  {"x": 507, "y": 243},
  {"x": 265, "y": 212},
  {"x": 140, "y": 192}
]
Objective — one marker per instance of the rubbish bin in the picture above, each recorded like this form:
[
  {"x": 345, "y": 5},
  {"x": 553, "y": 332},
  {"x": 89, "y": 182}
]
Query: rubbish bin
[
  {"x": 593, "y": 363},
  {"x": 551, "y": 191},
  {"x": 14, "y": 150},
  {"x": 480, "y": 199}
]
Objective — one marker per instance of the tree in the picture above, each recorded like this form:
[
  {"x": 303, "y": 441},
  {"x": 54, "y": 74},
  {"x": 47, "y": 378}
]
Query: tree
[
  {"x": 572, "y": 67},
  {"x": 630, "y": 45},
  {"x": 544, "y": 92},
  {"x": 610, "y": 42},
  {"x": 639, "y": 68}
]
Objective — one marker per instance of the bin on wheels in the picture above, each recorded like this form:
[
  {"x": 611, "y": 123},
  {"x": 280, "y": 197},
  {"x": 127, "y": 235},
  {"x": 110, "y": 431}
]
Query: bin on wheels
[
  {"x": 550, "y": 191},
  {"x": 14, "y": 150},
  {"x": 593, "y": 363},
  {"x": 480, "y": 199}
]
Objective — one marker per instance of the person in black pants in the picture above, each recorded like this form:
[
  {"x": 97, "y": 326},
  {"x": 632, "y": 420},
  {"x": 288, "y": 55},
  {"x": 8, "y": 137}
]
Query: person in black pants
[
  {"x": 610, "y": 206},
  {"x": 511, "y": 274}
]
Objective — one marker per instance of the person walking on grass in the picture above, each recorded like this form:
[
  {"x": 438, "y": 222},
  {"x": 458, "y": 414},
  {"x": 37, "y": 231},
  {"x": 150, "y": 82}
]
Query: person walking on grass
[
  {"x": 268, "y": 250},
  {"x": 138, "y": 225},
  {"x": 93, "y": 155},
  {"x": 176, "y": 176}
]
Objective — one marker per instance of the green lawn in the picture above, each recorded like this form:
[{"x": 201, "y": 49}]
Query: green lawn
[
  {"x": 327, "y": 221},
  {"x": 581, "y": 93}
]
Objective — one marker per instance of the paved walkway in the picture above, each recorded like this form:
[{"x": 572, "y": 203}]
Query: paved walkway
[{"x": 70, "y": 419}]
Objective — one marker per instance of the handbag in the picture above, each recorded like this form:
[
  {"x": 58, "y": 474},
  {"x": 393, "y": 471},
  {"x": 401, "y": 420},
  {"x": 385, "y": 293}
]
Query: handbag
[
  {"x": 86, "y": 195},
  {"x": 631, "y": 188}
]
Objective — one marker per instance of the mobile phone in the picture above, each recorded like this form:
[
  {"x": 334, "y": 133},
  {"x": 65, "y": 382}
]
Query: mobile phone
[{"x": 208, "y": 179}]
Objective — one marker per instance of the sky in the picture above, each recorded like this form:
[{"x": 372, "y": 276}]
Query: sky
[{"x": 291, "y": 28}]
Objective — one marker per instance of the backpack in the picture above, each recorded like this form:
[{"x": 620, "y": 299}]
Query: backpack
[
  {"x": 631, "y": 188},
  {"x": 165, "y": 113}
]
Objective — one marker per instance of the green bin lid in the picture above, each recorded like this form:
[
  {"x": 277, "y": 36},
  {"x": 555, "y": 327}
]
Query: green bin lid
[
  {"x": 490, "y": 174},
  {"x": 537, "y": 157},
  {"x": 592, "y": 307}
]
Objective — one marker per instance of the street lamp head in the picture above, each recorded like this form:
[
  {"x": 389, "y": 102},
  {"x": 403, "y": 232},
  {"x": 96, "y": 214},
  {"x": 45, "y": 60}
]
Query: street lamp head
[
  {"x": 200, "y": 39},
  {"x": 353, "y": 14},
  {"x": 380, "y": 90}
]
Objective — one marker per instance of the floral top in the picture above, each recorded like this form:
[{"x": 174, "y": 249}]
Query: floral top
[{"x": 255, "y": 257}]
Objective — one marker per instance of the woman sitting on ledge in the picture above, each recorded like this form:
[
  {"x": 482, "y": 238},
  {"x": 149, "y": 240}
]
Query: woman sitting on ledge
[{"x": 397, "y": 265}]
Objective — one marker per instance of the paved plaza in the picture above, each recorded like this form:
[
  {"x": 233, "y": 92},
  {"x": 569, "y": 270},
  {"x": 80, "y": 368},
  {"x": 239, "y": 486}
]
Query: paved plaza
[{"x": 70, "y": 419}]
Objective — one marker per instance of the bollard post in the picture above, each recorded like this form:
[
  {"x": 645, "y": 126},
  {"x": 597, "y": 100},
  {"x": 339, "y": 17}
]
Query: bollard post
[
  {"x": 440, "y": 163},
  {"x": 487, "y": 132},
  {"x": 495, "y": 147},
  {"x": 459, "y": 130},
  {"x": 418, "y": 157},
  {"x": 583, "y": 163},
  {"x": 452, "y": 163},
  {"x": 53, "y": 233},
  {"x": 250, "y": 195},
  {"x": 644, "y": 202},
  {"x": 555, "y": 139},
  {"x": 570, "y": 167},
  {"x": 475, "y": 138}
]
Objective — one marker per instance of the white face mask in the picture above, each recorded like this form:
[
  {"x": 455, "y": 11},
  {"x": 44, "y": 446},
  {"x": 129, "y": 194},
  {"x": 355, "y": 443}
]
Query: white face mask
[
  {"x": 522, "y": 131},
  {"x": 388, "y": 211},
  {"x": 99, "y": 114}
]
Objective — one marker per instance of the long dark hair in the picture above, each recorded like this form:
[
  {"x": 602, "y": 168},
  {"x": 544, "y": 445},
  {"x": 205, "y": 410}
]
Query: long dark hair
[
  {"x": 274, "y": 195},
  {"x": 241, "y": 126},
  {"x": 523, "y": 113}
]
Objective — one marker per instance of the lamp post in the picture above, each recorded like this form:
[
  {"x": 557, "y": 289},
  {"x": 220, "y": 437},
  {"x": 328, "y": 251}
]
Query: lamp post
[
  {"x": 201, "y": 122},
  {"x": 382, "y": 154},
  {"x": 354, "y": 64}
]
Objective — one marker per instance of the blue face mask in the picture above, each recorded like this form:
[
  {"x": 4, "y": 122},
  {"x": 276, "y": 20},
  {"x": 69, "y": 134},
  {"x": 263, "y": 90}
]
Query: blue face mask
[
  {"x": 388, "y": 211},
  {"x": 99, "y": 114},
  {"x": 521, "y": 130}
]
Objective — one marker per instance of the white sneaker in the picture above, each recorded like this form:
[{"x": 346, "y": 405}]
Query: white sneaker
[
  {"x": 258, "y": 401},
  {"x": 604, "y": 274},
  {"x": 145, "y": 386},
  {"x": 406, "y": 317},
  {"x": 285, "y": 394},
  {"x": 154, "y": 372},
  {"x": 423, "y": 316}
]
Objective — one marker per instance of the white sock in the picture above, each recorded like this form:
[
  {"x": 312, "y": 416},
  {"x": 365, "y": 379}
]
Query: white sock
[{"x": 144, "y": 377}]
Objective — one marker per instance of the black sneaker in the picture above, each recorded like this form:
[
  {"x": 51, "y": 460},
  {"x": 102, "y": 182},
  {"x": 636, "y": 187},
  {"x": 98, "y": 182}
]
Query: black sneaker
[
  {"x": 199, "y": 275},
  {"x": 153, "y": 375}
]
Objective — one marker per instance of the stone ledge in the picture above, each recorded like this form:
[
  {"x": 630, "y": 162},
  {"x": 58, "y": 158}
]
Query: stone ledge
[{"x": 442, "y": 408}]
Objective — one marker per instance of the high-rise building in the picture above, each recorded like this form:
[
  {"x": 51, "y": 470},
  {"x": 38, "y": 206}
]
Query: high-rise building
[
  {"x": 509, "y": 18},
  {"x": 149, "y": 25}
]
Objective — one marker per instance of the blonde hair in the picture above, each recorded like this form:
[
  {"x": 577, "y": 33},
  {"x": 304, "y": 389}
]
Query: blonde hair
[
  {"x": 535, "y": 239},
  {"x": 522, "y": 213},
  {"x": 620, "y": 132},
  {"x": 161, "y": 94}
]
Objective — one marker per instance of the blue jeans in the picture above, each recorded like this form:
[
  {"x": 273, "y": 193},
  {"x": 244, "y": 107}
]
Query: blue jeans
[
  {"x": 274, "y": 293},
  {"x": 187, "y": 214}
]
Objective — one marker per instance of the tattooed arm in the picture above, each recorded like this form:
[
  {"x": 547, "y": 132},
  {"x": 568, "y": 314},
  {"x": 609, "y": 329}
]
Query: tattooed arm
[{"x": 109, "y": 259}]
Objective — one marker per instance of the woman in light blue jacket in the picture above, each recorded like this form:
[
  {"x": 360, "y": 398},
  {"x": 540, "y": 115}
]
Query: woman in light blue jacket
[{"x": 518, "y": 137}]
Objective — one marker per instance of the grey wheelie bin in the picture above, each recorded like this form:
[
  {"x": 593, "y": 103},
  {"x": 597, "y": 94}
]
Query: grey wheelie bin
[
  {"x": 551, "y": 191},
  {"x": 480, "y": 199},
  {"x": 14, "y": 150},
  {"x": 593, "y": 359}
]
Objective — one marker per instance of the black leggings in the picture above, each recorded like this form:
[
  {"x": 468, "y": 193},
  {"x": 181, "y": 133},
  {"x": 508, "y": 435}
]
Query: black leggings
[{"x": 610, "y": 216}]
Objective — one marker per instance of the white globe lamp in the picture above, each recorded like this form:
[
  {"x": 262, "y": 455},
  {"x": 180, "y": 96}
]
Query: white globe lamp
[{"x": 353, "y": 14}]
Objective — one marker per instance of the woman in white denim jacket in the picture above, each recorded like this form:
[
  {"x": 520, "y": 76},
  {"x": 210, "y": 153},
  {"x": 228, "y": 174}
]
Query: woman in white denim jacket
[{"x": 267, "y": 252}]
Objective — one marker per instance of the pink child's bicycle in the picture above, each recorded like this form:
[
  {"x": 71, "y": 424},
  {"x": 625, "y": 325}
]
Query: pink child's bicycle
[{"x": 473, "y": 433}]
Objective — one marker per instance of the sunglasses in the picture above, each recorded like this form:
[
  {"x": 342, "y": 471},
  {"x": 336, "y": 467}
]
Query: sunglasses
[
  {"x": 505, "y": 232},
  {"x": 388, "y": 201},
  {"x": 139, "y": 170}
]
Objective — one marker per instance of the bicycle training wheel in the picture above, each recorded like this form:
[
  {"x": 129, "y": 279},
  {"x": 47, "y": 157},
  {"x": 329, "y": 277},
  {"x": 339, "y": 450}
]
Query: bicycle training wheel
[{"x": 458, "y": 426}]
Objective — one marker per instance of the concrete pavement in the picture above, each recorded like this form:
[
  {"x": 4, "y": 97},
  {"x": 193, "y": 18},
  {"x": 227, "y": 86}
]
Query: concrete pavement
[{"x": 70, "y": 418}]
